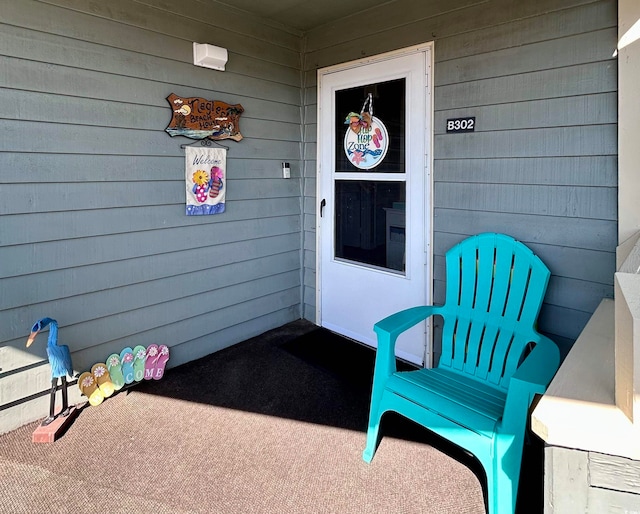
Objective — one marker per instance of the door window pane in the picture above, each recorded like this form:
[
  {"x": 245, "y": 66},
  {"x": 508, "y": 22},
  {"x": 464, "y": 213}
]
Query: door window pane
[
  {"x": 370, "y": 223},
  {"x": 389, "y": 107}
]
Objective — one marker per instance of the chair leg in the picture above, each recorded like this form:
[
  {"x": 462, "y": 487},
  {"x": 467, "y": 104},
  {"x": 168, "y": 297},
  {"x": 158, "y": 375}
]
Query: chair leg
[
  {"x": 502, "y": 497},
  {"x": 373, "y": 435},
  {"x": 502, "y": 480}
]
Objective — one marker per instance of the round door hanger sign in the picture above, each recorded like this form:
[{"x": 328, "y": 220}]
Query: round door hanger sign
[{"x": 366, "y": 141}]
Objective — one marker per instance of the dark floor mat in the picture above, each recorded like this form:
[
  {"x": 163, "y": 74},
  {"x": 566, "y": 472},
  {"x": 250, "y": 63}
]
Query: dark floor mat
[{"x": 342, "y": 357}]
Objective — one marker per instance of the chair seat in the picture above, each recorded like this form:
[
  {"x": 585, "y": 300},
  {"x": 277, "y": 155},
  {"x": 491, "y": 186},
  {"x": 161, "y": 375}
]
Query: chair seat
[{"x": 463, "y": 400}]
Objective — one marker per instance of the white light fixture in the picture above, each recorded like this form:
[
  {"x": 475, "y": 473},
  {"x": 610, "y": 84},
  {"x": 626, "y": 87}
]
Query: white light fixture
[{"x": 209, "y": 56}]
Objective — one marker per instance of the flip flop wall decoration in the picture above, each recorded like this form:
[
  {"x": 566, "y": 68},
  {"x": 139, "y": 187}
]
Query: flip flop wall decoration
[
  {"x": 139, "y": 358},
  {"x": 115, "y": 370},
  {"x": 89, "y": 387},
  {"x": 129, "y": 366},
  {"x": 157, "y": 357},
  {"x": 126, "y": 361}
]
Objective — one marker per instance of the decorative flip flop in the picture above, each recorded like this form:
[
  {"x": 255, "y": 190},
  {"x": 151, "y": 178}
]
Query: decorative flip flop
[
  {"x": 126, "y": 361},
  {"x": 101, "y": 374},
  {"x": 115, "y": 371},
  {"x": 161, "y": 361},
  {"x": 150, "y": 363},
  {"x": 139, "y": 358},
  {"x": 89, "y": 387}
]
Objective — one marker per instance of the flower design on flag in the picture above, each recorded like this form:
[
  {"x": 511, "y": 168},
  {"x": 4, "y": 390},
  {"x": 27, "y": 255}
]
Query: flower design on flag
[
  {"x": 99, "y": 371},
  {"x": 114, "y": 361},
  {"x": 141, "y": 354},
  {"x": 153, "y": 351},
  {"x": 128, "y": 357},
  {"x": 200, "y": 177},
  {"x": 164, "y": 350}
]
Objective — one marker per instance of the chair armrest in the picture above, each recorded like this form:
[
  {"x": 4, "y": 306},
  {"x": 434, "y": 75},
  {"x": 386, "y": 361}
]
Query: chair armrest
[
  {"x": 531, "y": 378},
  {"x": 540, "y": 366},
  {"x": 388, "y": 330},
  {"x": 398, "y": 322}
]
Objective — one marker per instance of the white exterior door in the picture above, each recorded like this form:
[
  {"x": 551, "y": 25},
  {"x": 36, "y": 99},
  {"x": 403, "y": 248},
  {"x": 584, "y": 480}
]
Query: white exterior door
[{"x": 374, "y": 190}]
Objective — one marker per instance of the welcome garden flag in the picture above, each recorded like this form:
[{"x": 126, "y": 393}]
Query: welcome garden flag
[{"x": 205, "y": 176}]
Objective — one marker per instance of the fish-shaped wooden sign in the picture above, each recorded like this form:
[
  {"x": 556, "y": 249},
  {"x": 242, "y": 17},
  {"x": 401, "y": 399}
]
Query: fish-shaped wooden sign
[{"x": 198, "y": 118}]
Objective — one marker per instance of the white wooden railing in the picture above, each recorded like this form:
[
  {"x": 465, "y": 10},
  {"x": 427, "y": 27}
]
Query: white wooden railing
[
  {"x": 627, "y": 331},
  {"x": 593, "y": 402}
]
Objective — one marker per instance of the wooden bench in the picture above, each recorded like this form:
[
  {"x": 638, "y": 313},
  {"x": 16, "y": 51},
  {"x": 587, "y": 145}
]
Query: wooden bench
[{"x": 493, "y": 360}]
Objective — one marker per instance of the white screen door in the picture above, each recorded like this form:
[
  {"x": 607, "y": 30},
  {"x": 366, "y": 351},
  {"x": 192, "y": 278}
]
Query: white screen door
[{"x": 374, "y": 139}]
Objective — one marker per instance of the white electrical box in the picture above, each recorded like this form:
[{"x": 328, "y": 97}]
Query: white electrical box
[{"x": 209, "y": 56}]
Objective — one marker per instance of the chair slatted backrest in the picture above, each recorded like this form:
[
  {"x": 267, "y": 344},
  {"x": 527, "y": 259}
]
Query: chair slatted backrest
[{"x": 494, "y": 291}]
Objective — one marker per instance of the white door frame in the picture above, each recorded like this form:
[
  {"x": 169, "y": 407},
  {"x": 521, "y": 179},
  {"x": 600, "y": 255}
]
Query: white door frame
[{"x": 426, "y": 48}]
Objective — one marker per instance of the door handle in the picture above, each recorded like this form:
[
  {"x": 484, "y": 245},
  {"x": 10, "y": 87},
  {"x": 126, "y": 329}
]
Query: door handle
[{"x": 322, "y": 204}]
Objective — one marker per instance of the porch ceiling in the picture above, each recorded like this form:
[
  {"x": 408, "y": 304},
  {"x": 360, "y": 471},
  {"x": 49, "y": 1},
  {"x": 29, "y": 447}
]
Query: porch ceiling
[{"x": 303, "y": 15}]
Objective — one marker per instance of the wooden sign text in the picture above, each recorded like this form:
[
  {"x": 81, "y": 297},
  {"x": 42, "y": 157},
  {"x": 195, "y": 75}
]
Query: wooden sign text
[{"x": 198, "y": 118}]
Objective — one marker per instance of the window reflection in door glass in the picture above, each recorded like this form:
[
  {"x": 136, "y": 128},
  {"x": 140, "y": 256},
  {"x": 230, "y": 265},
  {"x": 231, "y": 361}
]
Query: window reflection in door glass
[{"x": 370, "y": 223}]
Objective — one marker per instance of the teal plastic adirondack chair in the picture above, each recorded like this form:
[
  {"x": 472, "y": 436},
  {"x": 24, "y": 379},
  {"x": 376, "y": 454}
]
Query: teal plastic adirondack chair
[{"x": 492, "y": 365}]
